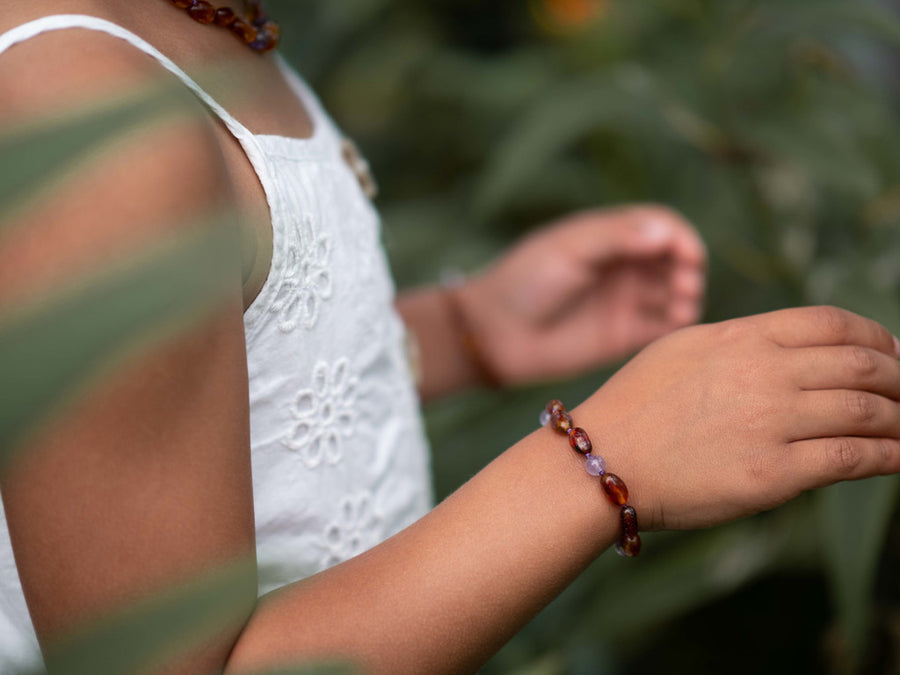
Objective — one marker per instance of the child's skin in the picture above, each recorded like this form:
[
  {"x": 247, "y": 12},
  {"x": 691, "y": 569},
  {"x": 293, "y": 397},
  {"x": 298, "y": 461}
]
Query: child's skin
[{"x": 708, "y": 424}]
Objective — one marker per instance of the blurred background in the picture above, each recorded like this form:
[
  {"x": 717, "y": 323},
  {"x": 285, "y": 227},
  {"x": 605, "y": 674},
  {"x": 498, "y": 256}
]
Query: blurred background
[{"x": 773, "y": 126}]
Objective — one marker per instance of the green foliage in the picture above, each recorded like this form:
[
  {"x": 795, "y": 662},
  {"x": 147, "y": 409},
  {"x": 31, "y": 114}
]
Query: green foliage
[
  {"x": 104, "y": 319},
  {"x": 39, "y": 155},
  {"x": 147, "y": 633},
  {"x": 771, "y": 124}
]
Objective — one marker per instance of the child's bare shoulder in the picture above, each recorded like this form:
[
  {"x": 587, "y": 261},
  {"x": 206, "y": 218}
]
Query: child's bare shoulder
[
  {"x": 118, "y": 195},
  {"x": 64, "y": 68}
]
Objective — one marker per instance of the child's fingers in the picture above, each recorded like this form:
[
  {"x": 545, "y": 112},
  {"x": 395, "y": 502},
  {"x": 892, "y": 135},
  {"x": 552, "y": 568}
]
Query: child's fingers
[
  {"x": 636, "y": 232},
  {"x": 846, "y": 367},
  {"x": 823, "y": 461},
  {"x": 688, "y": 282},
  {"x": 820, "y": 326},
  {"x": 842, "y": 412}
]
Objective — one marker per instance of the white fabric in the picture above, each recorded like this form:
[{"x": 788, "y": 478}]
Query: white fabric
[{"x": 339, "y": 457}]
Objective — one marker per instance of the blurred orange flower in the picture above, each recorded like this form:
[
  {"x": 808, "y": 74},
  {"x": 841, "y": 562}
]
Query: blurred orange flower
[{"x": 567, "y": 15}]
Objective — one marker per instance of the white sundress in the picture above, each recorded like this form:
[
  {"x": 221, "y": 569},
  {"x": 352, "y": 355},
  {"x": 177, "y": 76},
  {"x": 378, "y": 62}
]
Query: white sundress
[{"x": 339, "y": 456}]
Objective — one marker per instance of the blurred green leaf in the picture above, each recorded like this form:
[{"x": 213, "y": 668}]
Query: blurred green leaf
[
  {"x": 854, "y": 517},
  {"x": 854, "y": 521},
  {"x": 693, "y": 572},
  {"x": 566, "y": 115},
  {"x": 171, "y": 622},
  {"x": 835, "y": 18},
  {"x": 38, "y": 155},
  {"x": 52, "y": 348}
]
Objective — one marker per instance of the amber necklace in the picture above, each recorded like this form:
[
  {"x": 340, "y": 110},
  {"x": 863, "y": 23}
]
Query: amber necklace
[{"x": 255, "y": 30}]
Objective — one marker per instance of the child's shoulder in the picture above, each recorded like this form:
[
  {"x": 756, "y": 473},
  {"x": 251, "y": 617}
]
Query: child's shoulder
[
  {"x": 117, "y": 192},
  {"x": 56, "y": 69}
]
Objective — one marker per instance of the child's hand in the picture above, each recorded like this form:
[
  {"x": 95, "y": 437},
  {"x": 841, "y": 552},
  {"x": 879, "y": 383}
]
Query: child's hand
[
  {"x": 587, "y": 290},
  {"x": 721, "y": 421}
]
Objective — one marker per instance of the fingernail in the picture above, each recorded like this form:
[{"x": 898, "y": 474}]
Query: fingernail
[{"x": 896, "y": 346}]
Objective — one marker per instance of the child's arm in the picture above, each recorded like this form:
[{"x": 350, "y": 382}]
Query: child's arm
[
  {"x": 584, "y": 291},
  {"x": 707, "y": 425},
  {"x": 143, "y": 480}
]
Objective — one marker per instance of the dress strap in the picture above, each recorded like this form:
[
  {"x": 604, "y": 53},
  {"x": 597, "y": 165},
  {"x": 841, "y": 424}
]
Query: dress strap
[{"x": 56, "y": 22}]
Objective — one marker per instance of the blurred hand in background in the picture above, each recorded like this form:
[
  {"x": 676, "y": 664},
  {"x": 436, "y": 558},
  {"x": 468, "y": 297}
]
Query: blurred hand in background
[{"x": 586, "y": 291}]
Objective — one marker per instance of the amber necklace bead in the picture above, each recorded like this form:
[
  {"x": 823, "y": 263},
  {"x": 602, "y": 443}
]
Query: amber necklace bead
[{"x": 255, "y": 29}]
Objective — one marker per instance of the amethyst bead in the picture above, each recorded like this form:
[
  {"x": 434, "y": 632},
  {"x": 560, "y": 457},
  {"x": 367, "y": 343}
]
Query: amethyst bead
[
  {"x": 595, "y": 465},
  {"x": 545, "y": 417}
]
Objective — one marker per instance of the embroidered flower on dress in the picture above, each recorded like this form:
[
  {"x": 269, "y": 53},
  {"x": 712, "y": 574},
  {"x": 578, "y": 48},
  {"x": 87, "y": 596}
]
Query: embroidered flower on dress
[
  {"x": 355, "y": 530},
  {"x": 307, "y": 278},
  {"x": 324, "y": 415}
]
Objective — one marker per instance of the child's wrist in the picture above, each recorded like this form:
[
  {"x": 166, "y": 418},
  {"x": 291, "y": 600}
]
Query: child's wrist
[
  {"x": 555, "y": 416},
  {"x": 468, "y": 338}
]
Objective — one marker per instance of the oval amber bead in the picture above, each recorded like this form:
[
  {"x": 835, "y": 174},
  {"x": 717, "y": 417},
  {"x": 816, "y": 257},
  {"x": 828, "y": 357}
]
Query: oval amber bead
[
  {"x": 274, "y": 32},
  {"x": 629, "y": 547},
  {"x": 267, "y": 38},
  {"x": 580, "y": 441},
  {"x": 555, "y": 404},
  {"x": 628, "y": 516},
  {"x": 243, "y": 30},
  {"x": 548, "y": 410},
  {"x": 202, "y": 11},
  {"x": 225, "y": 16},
  {"x": 561, "y": 421},
  {"x": 615, "y": 488}
]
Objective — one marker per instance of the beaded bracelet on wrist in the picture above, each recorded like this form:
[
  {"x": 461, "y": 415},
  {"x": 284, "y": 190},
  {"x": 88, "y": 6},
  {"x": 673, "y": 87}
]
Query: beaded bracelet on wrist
[
  {"x": 556, "y": 415},
  {"x": 471, "y": 345}
]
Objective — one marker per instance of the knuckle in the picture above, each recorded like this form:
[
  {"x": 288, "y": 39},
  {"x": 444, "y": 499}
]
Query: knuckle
[
  {"x": 759, "y": 466},
  {"x": 844, "y": 455},
  {"x": 734, "y": 331},
  {"x": 833, "y": 321},
  {"x": 885, "y": 450},
  {"x": 860, "y": 407},
  {"x": 862, "y": 362},
  {"x": 885, "y": 337}
]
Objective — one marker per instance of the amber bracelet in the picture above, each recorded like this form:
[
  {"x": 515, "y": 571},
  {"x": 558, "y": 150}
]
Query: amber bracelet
[
  {"x": 467, "y": 339},
  {"x": 556, "y": 415}
]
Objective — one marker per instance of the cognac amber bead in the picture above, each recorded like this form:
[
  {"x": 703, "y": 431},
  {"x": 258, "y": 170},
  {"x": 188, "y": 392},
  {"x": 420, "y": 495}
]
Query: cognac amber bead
[
  {"x": 561, "y": 421},
  {"x": 580, "y": 441},
  {"x": 225, "y": 16},
  {"x": 615, "y": 489},
  {"x": 202, "y": 11},
  {"x": 629, "y": 522},
  {"x": 629, "y": 547},
  {"x": 182, "y": 4},
  {"x": 243, "y": 30},
  {"x": 555, "y": 404},
  {"x": 267, "y": 38},
  {"x": 273, "y": 31},
  {"x": 548, "y": 410}
]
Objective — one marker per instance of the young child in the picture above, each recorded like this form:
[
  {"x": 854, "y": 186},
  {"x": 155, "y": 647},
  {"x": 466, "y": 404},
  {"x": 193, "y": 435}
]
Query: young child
[{"x": 286, "y": 426}]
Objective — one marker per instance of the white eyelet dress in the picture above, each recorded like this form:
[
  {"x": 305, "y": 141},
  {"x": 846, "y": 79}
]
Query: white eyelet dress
[{"x": 339, "y": 457}]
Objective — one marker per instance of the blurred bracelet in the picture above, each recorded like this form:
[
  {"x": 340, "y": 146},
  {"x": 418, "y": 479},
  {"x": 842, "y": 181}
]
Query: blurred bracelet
[
  {"x": 470, "y": 343},
  {"x": 555, "y": 414}
]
